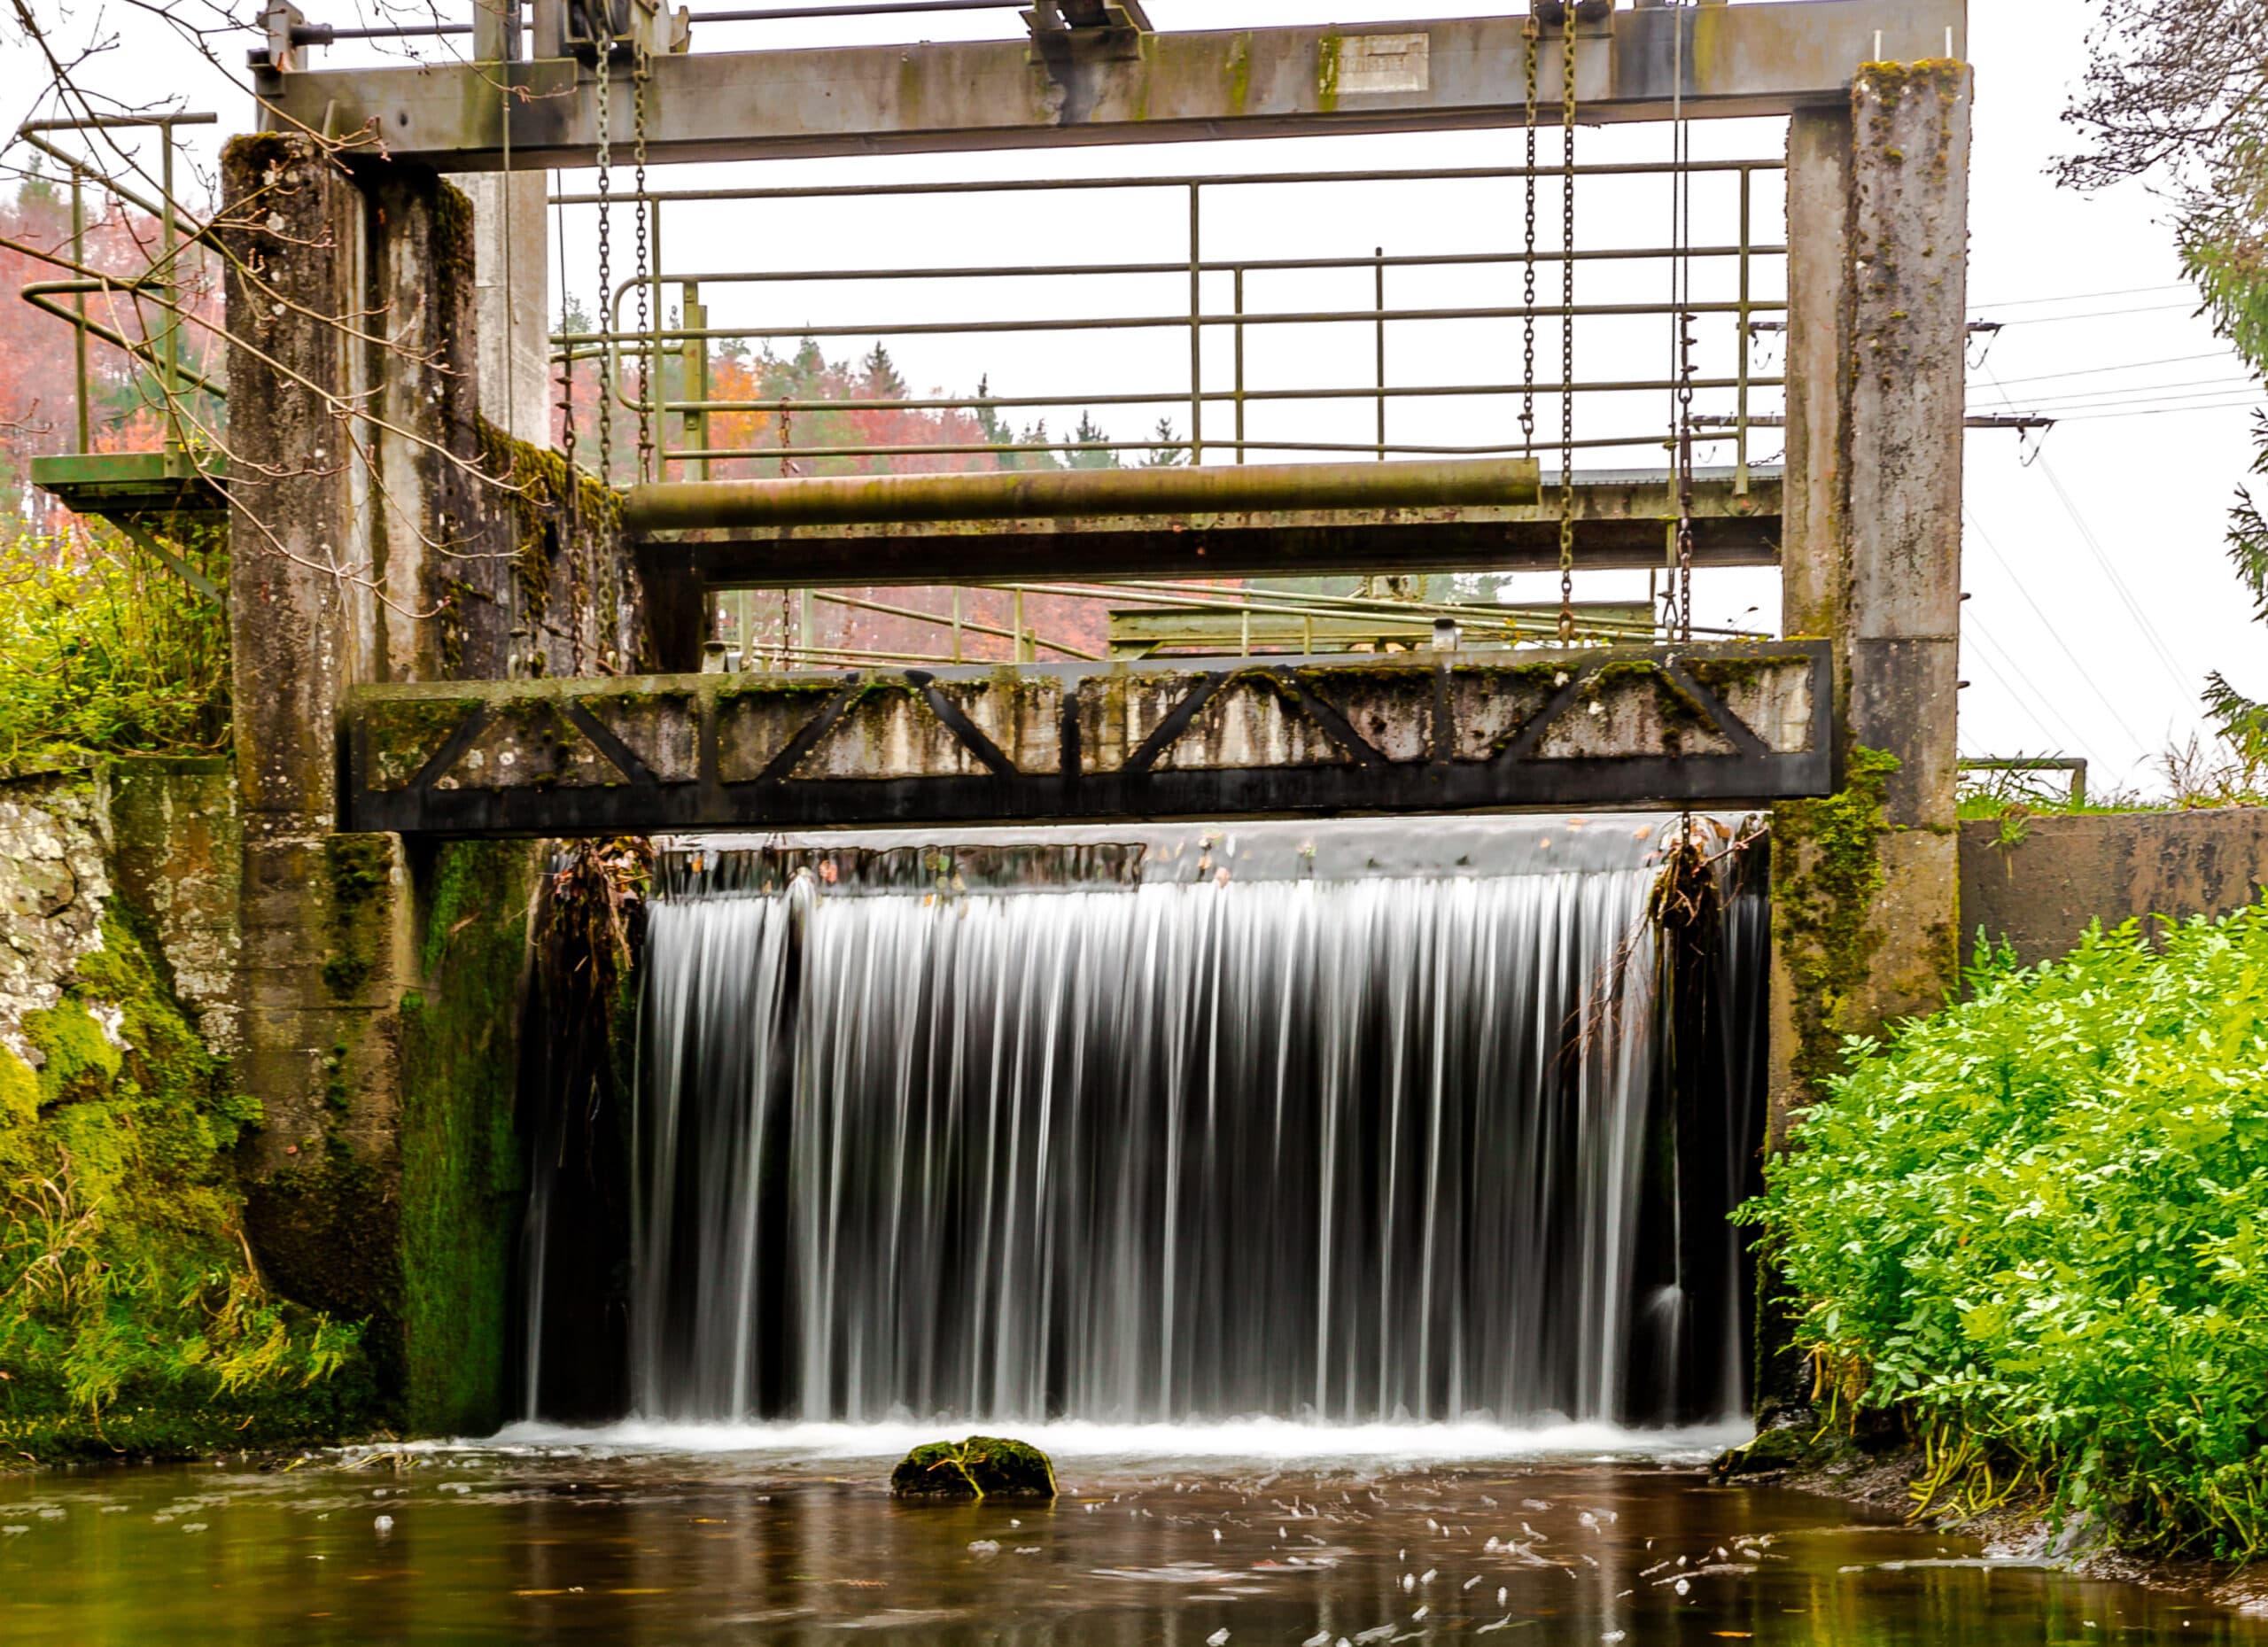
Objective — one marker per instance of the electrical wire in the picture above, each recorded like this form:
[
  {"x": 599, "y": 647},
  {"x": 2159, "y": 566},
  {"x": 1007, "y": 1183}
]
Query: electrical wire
[
  {"x": 2102, "y": 559},
  {"x": 2084, "y": 297},
  {"x": 1973, "y": 629},
  {"x": 2054, "y": 634}
]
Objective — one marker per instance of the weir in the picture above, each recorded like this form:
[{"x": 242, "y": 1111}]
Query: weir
[
  {"x": 453, "y": 644},
  {"x": 1183, "y": 1131}
]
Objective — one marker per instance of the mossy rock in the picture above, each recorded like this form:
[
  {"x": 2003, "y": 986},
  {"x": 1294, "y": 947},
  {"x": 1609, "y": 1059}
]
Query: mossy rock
[
  {"x": 981, "y": 1467},
  {"x": 1773, "y": 1450}
]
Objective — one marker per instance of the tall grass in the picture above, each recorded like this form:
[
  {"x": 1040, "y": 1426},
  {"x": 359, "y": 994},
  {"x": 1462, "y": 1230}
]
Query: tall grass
[{"x": 103, "y": 650}]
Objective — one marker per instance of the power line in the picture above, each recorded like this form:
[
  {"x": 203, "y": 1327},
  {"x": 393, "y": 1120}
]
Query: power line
[
  {"x": 2084, "y": 297},
  {"x": 2102, "y": 559},
  {"x": 2143, "y": 394},
  {"x": 1974, "y": 629},
  {"x": 2054, "y": 634},
  {"x": 2058, "y": 320},
  {"x": 2251, "y": 402},
  {"x": 2131, "y": 366}
]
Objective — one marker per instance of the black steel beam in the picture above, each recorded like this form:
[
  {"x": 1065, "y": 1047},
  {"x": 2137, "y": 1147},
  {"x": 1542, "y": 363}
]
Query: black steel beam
[{"x": 1429, "y": 732}]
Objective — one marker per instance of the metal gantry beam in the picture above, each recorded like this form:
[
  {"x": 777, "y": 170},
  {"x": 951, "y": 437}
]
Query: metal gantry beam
[
  {"x": 1425, "y": 732},
  {"x": 1122, "y": 87}
]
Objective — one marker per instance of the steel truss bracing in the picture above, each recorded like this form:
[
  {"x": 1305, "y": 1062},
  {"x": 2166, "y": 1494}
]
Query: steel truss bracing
[{"x": 1719, "y": 725}]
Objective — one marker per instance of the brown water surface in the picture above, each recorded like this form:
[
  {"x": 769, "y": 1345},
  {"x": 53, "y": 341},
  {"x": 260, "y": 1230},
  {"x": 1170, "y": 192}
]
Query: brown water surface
[{"x": 582, "y": 1544}]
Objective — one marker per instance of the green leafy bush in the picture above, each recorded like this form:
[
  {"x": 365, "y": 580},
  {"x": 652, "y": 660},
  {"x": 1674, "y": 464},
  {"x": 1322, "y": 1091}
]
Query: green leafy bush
[
  {"x": 103, "y": 651},
  {"x": 2035, "y": 1226}
]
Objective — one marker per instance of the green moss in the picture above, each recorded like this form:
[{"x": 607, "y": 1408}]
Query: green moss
[
  {"x": 1333, "y": 48},
  {"x": 1827, "y": 871},
  {"x": 981, "y": 1467},
  {"x": 460, "y": 1171},
  {"x": 1240, "y": 71},
  {"x": 1726, "y": 675},
  {"x": 357, "y": 870},
  {"x": 405, "y": 733},
  {"x": 131, "y": 1320}
]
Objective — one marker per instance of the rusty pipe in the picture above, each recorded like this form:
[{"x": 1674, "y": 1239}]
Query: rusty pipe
[{"x": 1016, "y": 494}]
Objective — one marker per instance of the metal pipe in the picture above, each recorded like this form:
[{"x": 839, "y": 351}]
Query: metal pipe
[
  {"x": 325, "y": 33},
  {"x": 1025, "y": 185},
  {"x": 1014, "y": 494},
  {"x": 942, "y": 619}
]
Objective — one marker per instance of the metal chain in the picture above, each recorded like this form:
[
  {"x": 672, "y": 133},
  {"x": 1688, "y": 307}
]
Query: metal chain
[
  {"x": 1534, "y": 34},
  {"x": 649, "y": 374},
  {"x": 1682, "y": 184},
  {"x": 1567, "y": 340},
  {"x": 606, "y": 258}
]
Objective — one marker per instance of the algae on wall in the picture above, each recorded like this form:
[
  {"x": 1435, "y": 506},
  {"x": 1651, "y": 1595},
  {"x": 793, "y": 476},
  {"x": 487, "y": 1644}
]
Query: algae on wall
[
  {"x": 461, "y": 1168},
  {"x": 132, "y": 1320}
]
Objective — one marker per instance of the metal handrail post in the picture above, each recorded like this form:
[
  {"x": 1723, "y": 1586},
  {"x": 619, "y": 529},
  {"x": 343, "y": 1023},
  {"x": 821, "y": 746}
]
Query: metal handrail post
[
  {"x": 170, "y": 355},
  {"x": 1740, "y": 432},
  {"x": 79, "y": 304},
  {"x": 1239, "y": 337},
  {"x": 695, "y": 366},
  {"x": 1379, "y": 254},
  {"x": 1196, "y": 326}
]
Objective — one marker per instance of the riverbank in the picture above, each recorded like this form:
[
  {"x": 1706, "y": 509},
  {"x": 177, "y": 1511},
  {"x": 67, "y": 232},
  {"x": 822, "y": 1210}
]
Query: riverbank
[{"x": 1889, "y": 1481}]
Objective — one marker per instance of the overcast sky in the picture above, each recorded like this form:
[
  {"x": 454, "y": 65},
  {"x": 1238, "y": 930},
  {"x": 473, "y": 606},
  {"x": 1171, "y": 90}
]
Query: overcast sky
[{"x": 2100, "y": 594}]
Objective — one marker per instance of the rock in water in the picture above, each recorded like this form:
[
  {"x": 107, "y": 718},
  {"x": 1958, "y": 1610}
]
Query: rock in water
[{"x": 981, "y": 1467}]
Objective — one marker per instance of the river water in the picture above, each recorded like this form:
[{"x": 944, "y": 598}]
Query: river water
[{"x": 1230, "y": 1538}]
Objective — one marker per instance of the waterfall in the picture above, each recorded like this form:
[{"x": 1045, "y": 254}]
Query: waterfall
[{"x": 1180, "y": 1146}]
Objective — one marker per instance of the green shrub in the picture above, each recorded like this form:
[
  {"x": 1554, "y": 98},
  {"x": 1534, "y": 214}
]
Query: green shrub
[
  {"x": 132, "y": 1320},
  {"x": 2035, "y": 1227},
  {"x": 101, "y": 650}
]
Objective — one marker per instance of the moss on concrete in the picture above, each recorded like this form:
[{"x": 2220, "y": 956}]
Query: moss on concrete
[
  {"x": 1827, "y": 870},
  {"x": 132, "y": 1321},
  {"x": 461, "y": 1170}
]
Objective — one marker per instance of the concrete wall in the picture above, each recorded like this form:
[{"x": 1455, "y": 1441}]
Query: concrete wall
[{"x": 2040, "y": 893}]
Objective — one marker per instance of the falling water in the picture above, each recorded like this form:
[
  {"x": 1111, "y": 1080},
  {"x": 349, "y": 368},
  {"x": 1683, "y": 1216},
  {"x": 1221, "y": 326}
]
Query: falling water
[{"x": 1343, "y": 1150}]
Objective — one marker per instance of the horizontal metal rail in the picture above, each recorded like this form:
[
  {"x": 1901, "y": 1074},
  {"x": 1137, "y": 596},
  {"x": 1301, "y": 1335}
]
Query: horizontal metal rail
[{"x": 1206, "y": 179}]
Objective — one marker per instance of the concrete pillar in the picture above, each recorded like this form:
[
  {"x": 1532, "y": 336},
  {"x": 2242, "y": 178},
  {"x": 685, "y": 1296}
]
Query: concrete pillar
[
  {"x": 1865, "y": 885},
  {"x": 512, "y": 331},
  {"x": 367, "y": 548}
]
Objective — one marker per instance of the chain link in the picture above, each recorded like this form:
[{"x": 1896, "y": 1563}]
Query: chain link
[
  {"x": 1567, "y": 337},
  {"x": 649, "y": 374},
  {"x": 1533, "y": 32},
  {"x": 606, "y": 254}
]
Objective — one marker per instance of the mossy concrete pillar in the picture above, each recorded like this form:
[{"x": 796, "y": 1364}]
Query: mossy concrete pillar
[
  {"x": 1864, "y": 884},
  {"x": 380, "y": 1184}
]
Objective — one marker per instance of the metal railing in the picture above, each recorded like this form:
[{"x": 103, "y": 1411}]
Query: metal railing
[
  {"x": 636, "y": 365},
  {"x": 159, "y": 346}
]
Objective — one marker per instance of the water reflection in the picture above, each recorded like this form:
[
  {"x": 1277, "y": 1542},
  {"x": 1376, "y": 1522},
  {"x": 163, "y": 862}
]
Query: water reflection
[{"x": 583, "y": 1544}]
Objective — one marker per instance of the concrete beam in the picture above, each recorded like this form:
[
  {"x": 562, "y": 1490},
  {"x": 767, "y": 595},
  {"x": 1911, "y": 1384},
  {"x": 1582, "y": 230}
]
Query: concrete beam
[
  {"x": 1452, "y": 74},
  {"x": 1426, "y": 732}
]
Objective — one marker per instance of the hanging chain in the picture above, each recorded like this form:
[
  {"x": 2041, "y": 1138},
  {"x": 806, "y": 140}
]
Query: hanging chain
[
  {"x": 606, "y": 258},
  {"x": 1534, "y": 33},
  {"x": 649, "y": 374},
  {"x": 1567, "y": 337},
  {"x": 1681, "y": 201}
]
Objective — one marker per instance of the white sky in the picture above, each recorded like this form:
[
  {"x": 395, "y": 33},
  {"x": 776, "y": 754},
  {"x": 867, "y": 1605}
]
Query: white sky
[{"x": 2100, "y": 594}]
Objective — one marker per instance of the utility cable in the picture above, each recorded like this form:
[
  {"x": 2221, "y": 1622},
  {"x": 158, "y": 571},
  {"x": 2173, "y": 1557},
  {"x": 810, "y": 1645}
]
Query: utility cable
[
  {"x": 2102, "y": 559},
  {"x": 2054, "y": 634}
]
